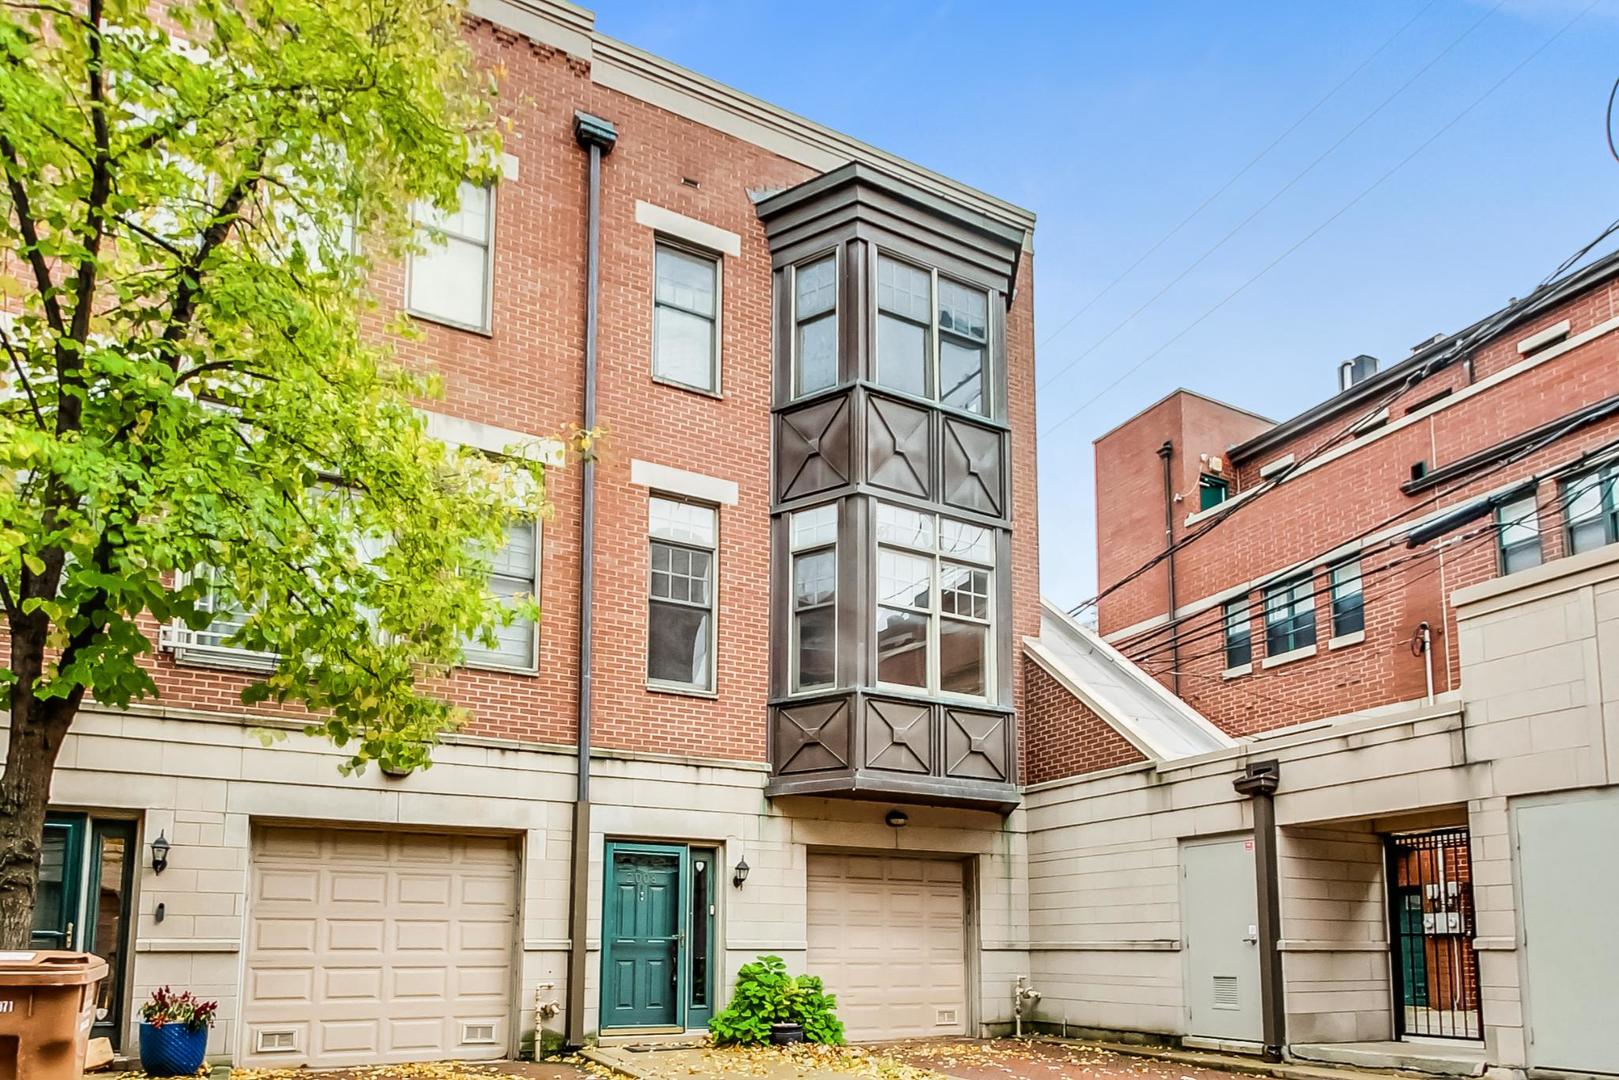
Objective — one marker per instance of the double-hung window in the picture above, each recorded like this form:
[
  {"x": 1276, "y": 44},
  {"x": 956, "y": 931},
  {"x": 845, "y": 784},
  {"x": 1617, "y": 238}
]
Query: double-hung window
[
  {"x": 680, "y": 619},
  {"x": 815, "y": 579},
  {"x": 448, "y": 280},
  {"x": 1592, "y": 509},
  {"x": 932, "y": 350},
  {"x": 1518, "y": 532},
  {"x": 1239, "y": 640},
  {"x": 1348, "y": 602},
  {"x": 1289, "y": 617},
  {"x": 815, "y": 325},
  {"x": 935, "y": 608},
  {"x": 685, "y": 318},
  {"x": 513, "y": 575}
]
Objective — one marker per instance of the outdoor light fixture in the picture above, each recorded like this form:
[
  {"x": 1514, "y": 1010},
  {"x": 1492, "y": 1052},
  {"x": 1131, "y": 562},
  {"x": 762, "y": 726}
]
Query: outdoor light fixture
[
  {"x": 160, "y": 853},
  {"x": 898, "y": 818},
  {"x": 741, "y": 873}
]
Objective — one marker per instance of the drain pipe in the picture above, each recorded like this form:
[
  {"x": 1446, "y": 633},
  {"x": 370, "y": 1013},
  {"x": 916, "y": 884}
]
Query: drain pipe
[
  {"x": 596, "y": 136},
  {"x": 1259, "y": 782},
  {"x": 1425, "y": 634},
  {"x": 1167, "y": 453}
]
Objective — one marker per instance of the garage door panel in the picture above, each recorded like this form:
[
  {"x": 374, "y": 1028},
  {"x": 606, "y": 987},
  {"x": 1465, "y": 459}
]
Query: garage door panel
[
  {"x": 400, "y": 951},
  {"x": 889, "y": 937}
]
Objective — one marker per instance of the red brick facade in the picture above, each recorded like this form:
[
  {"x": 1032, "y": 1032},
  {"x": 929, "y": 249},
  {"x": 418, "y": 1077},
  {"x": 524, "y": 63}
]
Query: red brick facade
[
  {"x": 1323, "y": 507},
  {"x": 526, "y": 374},
  {"x": 1063, "y": 735}
]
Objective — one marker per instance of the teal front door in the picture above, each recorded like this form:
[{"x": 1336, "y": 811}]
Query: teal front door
[{"x": 643, "y": 947}]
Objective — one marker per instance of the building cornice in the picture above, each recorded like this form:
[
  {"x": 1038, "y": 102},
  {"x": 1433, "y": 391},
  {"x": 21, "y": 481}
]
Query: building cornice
[{"x": 628, "y": 70}]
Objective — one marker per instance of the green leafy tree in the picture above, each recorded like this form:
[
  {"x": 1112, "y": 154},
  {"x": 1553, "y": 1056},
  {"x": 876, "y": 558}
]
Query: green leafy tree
[{"x": 197, "y": 398}]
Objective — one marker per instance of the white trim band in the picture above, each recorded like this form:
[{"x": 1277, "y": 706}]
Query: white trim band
[
  {"x": 680, "y": 227},
  {"x": 680, "y": 482}
]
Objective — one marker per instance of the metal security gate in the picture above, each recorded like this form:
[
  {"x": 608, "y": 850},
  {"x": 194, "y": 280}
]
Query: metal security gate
[{"x": 1431, "y": 927}]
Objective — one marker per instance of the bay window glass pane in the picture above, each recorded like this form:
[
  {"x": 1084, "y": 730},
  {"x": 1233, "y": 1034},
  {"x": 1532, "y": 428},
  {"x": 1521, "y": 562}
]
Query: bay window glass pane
[
  {"x": 968, "y": 541},
  {"x": 904, "y": 290},
  {"x": 812, "y": 528},
  {"x": 902, "y": 355},
  {"x": 814, "y": 578},
  {"x": 684, "y": 348},
  {"x": 815, "y": 365},
  {"x": 963, "y": 310},
  {"x": 902, "y": 647},
  {"x": 962, "y": 376},
  {"x": 904, "y": 579},
  {"x": 816, "y": 632},
  {"x": 678, "y": 645},
  {"x": 815, "y": 288},
  {"x": 964, "y": 590},
  {"x": 897, "y": 525},
  {"x": 963, "y": 648}
]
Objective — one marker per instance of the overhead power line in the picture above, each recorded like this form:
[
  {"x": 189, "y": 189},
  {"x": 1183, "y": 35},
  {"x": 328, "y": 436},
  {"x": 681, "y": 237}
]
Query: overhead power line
[
  {"x": 1238, "y": 175},
  {"x": 1340, "y": 212}
]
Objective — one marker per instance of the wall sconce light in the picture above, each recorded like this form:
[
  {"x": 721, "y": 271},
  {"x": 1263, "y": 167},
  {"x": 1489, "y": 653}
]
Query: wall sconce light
[
  {"x": 741, "y": 873},
  {"x": 160, "y": 853},
  {"x": 898, "y": 819}
]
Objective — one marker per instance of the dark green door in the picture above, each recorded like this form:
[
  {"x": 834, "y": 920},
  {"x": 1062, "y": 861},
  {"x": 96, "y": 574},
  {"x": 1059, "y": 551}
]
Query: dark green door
[
  {"x": 641, "y": 937},
  {"x": 57, "y": 917}
]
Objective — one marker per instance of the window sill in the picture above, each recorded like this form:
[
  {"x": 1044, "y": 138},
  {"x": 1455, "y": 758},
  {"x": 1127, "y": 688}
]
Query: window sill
[
  {"x": 681, "y": 691},
  {"x": 701, "y": 391},
  {"x": 501, "y": 669},
  {"x": 1343, "y": 641},
  {"x": 1288, "y": 657},
  {"x": 1238, "y": 672},
  {"x": 223, "y": 658},
  {"x": 450, "y": 324}
]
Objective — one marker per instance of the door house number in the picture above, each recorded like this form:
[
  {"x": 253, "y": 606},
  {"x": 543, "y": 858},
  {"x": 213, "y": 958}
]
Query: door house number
[{"x": 8, "y": 1006}]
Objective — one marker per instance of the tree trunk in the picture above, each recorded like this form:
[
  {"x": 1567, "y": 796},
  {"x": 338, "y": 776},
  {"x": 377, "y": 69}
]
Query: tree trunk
[{"x": 37, "y": 730}]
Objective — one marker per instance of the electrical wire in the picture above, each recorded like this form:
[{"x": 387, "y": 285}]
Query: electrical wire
[
  {"x": 1239, "y": 174},
  {"x": 1340, "y": 212},
  {"x": 1614, "y": 150}
]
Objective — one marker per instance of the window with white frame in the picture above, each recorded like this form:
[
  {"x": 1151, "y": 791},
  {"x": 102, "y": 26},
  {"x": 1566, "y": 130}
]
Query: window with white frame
[
  {"x": 814, "y": 541},
  {"x": 935, "y": 608},
  {"x": 1518, "y": 533},
  {"x": 513, "y": 575},
  {"x": 931, "y": 349},
  {"x": 1289, "y": 617},
  {"x": 448, "y": 281},
  {"x": 685, "y": 317},
  {"x": 1348, "y": 601},
  {"x": 1592, "y": 509},
  {"x": 684, "y": 540},
  {"x": 815, "y": 325}
]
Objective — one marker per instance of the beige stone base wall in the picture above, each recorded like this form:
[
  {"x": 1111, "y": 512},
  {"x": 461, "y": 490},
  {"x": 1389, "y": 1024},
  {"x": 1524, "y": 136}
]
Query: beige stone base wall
[{"x": 205, "y": 782}]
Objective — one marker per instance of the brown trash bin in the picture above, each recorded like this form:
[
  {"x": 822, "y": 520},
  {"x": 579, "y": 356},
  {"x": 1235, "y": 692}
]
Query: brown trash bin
[{"x": 47, "y": 1006}]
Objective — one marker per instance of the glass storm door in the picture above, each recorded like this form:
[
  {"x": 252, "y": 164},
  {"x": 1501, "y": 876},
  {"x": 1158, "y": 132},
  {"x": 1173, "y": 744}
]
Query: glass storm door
[
  {"x": 87, "y": 870},
  {"x": 641, "y": 959}
]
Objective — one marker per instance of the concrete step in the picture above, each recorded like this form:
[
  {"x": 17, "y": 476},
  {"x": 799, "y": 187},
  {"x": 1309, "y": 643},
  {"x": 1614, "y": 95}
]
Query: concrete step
[{"x": 1430, "y": 1058}]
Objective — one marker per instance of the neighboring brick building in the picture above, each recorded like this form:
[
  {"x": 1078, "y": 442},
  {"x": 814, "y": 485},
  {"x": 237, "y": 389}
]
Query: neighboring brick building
[
  {"x": 1323, "y": 842},
  {"x": 815, "y": 549}
]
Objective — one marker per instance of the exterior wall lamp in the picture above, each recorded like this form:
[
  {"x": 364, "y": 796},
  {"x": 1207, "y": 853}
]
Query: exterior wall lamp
[
  {"x": 740, "y": 874},
  {"x": 160, "y": 853},
  {"x": 898, "y": 819}
]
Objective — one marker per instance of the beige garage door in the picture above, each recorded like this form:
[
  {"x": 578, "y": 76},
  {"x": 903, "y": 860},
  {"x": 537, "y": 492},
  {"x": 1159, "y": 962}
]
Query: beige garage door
[
  {"x": 371, "y": 947},
  {"x": 889, "y": 937}
]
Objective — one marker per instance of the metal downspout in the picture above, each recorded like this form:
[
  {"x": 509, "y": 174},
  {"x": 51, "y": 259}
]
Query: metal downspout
[
  {"x": 1167, "y": 453},
  {"x": 597, "y": 137}
]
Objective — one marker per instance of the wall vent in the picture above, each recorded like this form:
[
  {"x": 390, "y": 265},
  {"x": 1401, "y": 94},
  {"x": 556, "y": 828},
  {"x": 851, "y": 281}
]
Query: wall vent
[
  {"x": 944, "y": 1017},
  {"x": 1225, "y": 992},
  {"x": 478, "y": 1034},
  {"x": 268, "y": 1041}
]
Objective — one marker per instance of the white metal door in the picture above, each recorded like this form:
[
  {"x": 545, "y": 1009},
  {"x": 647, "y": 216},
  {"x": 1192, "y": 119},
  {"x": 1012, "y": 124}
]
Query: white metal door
[
  {"x": 1220, "y": 918},
  {"x": 372, "y": 947},
  {"x": 889, "y": 937},
  {"x": 1568, "y": 870}
]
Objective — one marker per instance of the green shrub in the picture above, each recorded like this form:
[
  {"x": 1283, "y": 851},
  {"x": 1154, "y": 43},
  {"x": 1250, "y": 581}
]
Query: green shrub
[{"x": 766, "y": 994}]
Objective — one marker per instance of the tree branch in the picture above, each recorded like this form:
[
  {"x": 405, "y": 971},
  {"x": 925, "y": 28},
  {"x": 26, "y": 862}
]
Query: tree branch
[
  {"x": 22, "y": 376},
  {"x": 213, "y": 237},
  {"x": 30, "y": 235}
]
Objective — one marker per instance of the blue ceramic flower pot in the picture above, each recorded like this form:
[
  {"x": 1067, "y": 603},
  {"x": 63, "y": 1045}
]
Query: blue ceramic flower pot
[{"x": 173, "y": 1049}]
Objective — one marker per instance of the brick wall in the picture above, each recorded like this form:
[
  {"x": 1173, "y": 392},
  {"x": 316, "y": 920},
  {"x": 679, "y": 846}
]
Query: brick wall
[
  {"x": 1315, "y": 511},
  {"x": 527, "y": 374},
  {"x": 1063, "y": 736}
]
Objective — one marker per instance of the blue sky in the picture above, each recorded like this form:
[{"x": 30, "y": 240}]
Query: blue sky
[{"x": 1114, "y": 122}]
